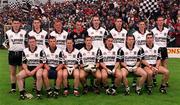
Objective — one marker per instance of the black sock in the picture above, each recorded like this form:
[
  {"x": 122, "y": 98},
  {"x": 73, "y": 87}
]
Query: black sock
[
  {"x": 49, "y": 90},
  {"x": 13, "y": 85},
  {"x": 22, "y": 92},
  {"x": 38, "y": 92}
]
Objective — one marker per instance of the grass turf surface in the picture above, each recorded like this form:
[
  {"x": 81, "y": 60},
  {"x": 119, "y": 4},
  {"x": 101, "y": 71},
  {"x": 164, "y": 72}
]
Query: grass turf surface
[{"x": 171, "y": 98}]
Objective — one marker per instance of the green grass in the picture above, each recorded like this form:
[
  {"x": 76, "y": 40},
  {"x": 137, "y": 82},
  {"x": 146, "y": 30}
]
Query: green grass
[{"x": 172, "y": 98}]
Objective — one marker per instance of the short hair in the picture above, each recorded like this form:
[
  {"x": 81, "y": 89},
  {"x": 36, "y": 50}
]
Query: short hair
[
  {"x": 129, "y": 35},
  {"x": 31, "y": 37},
  {"x": 150, "y": 34},
  {"x": 51, "y": 37},
  {"x": 37, "y": 19},
  {"x": 87, "y": 37},
  {"x": 70, "y": 39},
  {"x": 16, "y": 19}
]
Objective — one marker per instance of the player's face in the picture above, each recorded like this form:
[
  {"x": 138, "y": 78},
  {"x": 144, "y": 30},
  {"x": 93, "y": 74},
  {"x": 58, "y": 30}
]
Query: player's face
[
  {"x": 88, "y": 41},
  {"x": 118, "y": 22},
  {"x": 69, "y": 44},
  {"x": 16, "y": 25},
  {"x": 58, "y": 26},
  {"x": 78, "y": 25},
  {"x": 130, "y": 41},
  {"x": 96, "y": 22},
  {"x": 149, "y": 39},
  {"x": 52, "y": 43},
  {"x": 32, "y": 43},
  {"x": 160, "y": 21},
  {"x": 36, "y": 24},
  {"x": 141, "y": 25},
  {"x": 109, "y": 42}
]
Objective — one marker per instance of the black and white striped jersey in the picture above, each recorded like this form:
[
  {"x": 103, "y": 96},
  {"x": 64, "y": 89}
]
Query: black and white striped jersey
[
  {"x": 151, "y": 55},
  {"x": 70, "y": 58},
  {"x": 61, "y": 38},
  {"x": 53, "y": 59},
  {"x": 33, "y": 59},
  {"x": 160, "y": 37},
  {"x": 109, "y": 56},
  {"x": 129, "y": 56},
  {"x": 16, "y": 41},
  {"x": 97, "y": 36},
  {"x": 140, "y": 38},
  {"x": 119, "y": 37},
  {"x": 89, "y": 56},
  {"x": 41, "y": 38}
]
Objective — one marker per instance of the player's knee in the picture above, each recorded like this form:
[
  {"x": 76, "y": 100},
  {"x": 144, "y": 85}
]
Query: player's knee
[{"x": 39, "y": 76}]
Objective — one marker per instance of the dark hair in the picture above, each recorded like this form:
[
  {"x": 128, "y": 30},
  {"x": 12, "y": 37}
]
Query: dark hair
[
  {"x": 31, "y": 37},
  {"x": 37, "y": 19},
  {"x": 16, "y": 19},
  {"x": 70, "y": 39},
  {"x": 129, "y": 35},
  {"x": 150, "y": 34},
  {"x": 87, "y": 37},
  {"x": 51, "y": 37}
]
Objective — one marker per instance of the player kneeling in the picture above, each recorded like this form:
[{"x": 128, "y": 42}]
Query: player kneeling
[
  {"x": 89, "y": 65},
  {"x": 33, "y": 59}
]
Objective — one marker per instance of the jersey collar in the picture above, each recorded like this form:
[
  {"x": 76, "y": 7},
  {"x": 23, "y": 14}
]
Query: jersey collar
[
  {"x": 51, "y": 50},
  {"x": 108, "y": 48},
  {"x": 149, "y": 46},
  {"x": 32, "y": 51},
  {"x": 37, "y": 32},
  {"x": 14, "y": 31},
  {"x": 89, "y": 49},
  {"x": 68, "y": 50}
]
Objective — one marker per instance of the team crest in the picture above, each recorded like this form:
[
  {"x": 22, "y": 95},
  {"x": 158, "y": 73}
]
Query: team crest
[
  {"x": 114, "y": 53},
  {"x": 123, "y": 34},
  {"x": 126, "y": 53},
  {"x": 74, "y": 56},
  {"x": 36, "y": 55},
  {"x": 84, "y": 54},
  {"x": 92, "y": 32},
  {"x": 101, "y": 32},
  {"x": 56, "y": 56},
  {"x": 21, "y": 35},
  {"x": 104, "y": 53},
  {"x": 11, "y": 36},
  {"x": 146, "y": 51},
  {"x": 27, "y": 55},
  {"x": 135, "y": 52},
  {"x": 93, "y": 53},
  {"x": 42, "y": 36},
  {"x": 114, "y": 34},
  {"x": 154, "y": 51},
  {"x": 165, "y": 34},
  {"x": 65, "y": 56},
  {"x": 64, "y": 37},
  {"x": 48, "y": 55}
]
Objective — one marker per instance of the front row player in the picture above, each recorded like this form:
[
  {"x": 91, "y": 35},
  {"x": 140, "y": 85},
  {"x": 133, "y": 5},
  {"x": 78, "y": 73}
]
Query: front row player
[
  {"x": 152, "y": 60},
  {"x": 71, "y": 61},
  {"x": 53, "y": 67},
  {"x": 33, "y": 58},
  {"x": 110, "y": 65},
  {"x": 89, "y": 65},
  {"x": 129, "y": 58}
]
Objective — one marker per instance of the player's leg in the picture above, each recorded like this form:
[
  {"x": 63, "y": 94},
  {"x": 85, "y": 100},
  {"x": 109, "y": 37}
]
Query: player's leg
[
  {"x": 76, "y": 82},
  {"x": 143, "y": 76},
  {"x": 12, "y": 78},
  {"x": 82, "y": 76},
  {"x": 65, "y": 82},
  {"x": 162, "y": 70},
  {"x": 39, "y": 82},
  {"x": 58, "y": 83},
  {"x": 46, "y": 74},
  {"x": 97, "y": 81},
  {"x": 125, "y": 80},
  {"x": 149, "y": 79},
  {"x": 20, "y": 81},
  {"x": 104, "y": 75}
]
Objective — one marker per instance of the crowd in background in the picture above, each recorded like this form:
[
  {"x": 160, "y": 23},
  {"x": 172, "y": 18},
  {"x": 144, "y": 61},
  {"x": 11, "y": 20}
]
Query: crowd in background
[{"x": 69, "y": 11}]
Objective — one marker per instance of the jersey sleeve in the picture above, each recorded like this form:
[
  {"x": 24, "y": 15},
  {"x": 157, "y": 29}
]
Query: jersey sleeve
[
  {"x": 24, "y": 59},
  {"x": 42, "y": 57},
  {"x": 139, "y": 56},
  {"x": 159, "y": 53},
  {"x": 60, "y": 58},
  {"x": 46, "y": 40},
  {"x": 99, "y": 56},
  {"x": 142, "y": 53},
  {"x": 120, "y": 55},
  {"x": 6, "y": 41},
  {"x": 80, "y": 58}
]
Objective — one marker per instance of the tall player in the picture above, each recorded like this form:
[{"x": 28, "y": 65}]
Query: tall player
[
  {"x": 15, "y": 42},
  {"x": 130, "y": 57},
  {"x": 161, "y": 36},
  {"x": 119, "y": 33},
  {"x": 97, "y": 32},
  {"x": 140, "y": 37},
  {"x": 89, "y": 64},
  {"x": 33, "y": 59},
  {"x": 59, "y": 33},
  {"x": 151, "y": 60},
  {"x": 40, "y": 34}
]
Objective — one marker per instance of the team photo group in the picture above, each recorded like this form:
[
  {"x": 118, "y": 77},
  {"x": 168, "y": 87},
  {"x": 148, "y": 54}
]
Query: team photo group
[{"x": 106, "y": 58}]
